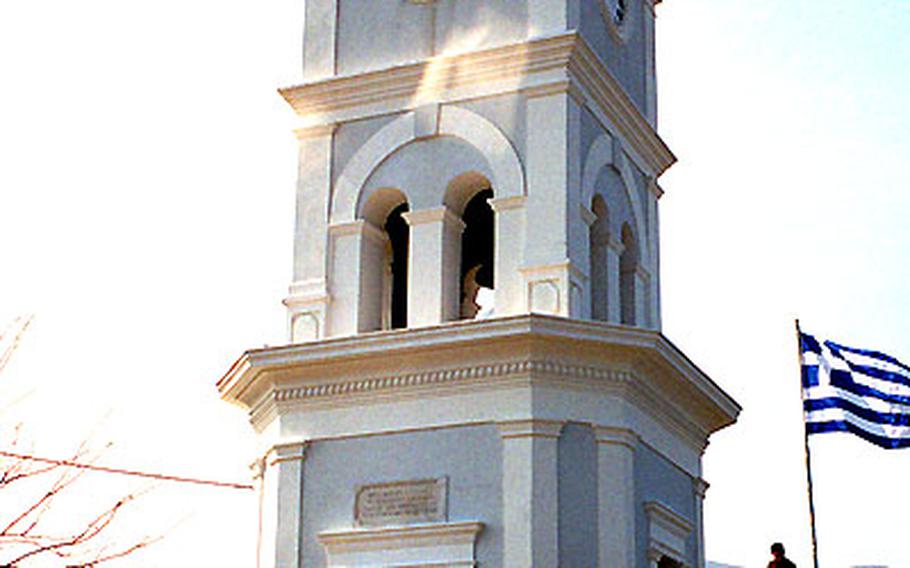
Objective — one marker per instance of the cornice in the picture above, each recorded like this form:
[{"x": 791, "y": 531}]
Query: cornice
[
  {"x": 541, "y": 66},
  {"x": 441, "y": 533},
  {"x": 511, "y": 429},
  {"x": 265, "y": 381},
  {"x": 606, "y": 93}
]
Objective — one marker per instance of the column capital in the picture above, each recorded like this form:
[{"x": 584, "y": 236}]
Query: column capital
[
  {"x": 611, "y": 435},
  {"x": 616, "y": 245},
  {"x": 530, "y": 428},
  {"x": 499, "y": 204},
  {"x": 317, "y": 131},
  {"x": 286, "y": 451},
  {"x": 587, "y": 216},
  {"x": 437, "y": 214}
]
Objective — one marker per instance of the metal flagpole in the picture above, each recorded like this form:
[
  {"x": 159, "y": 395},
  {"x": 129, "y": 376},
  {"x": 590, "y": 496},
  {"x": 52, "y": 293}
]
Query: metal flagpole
[{"x": 799, "y": 349}]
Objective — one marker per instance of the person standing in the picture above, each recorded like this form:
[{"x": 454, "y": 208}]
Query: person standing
[{"x": 780, "y": 560}]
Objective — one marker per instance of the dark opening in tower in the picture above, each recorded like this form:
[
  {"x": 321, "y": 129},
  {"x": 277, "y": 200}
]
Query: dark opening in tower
[
  {"x": 397, "y": 229},
  {"x": 599, "y": 238},
  {"x": 477, "y": 246}
]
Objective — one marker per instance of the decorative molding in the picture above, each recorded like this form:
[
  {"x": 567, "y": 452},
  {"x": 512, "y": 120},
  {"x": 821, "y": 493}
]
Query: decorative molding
[
  {"x": 587, "y": 216},
  {"x": 547, "y": 89},
  {"x": 438, "y": 545},
  {"x": 435, "y": 215},
  {"x": 316, "y": 131},
  {"x": 610, "y": 435},
  {"x": 541, "y": 66},
  {"x": 531, "y": 428},
  {"x": 499, "y": 204},
  {"x": 667, "y": 532},
  {"x": 285, "y": 452},
  {"x": 507, "y": 171},
  {"x": 605, "y": 93},
  {"x": 701, "y": 487},
  {"x": 443, "y": 376},
  {"x": 649, "y": 372}
]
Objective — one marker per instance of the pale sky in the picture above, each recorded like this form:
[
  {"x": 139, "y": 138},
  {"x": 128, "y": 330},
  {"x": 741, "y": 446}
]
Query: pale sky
[{"x": 146, "y": 214}]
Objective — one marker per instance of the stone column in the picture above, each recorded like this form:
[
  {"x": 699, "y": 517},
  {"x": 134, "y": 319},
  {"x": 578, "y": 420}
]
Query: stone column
[
  {"x": 434, "y": 266},
  {"x": 283, "y": 481},
  {"x": 614, "y": 250},
  {"x": 701, "y": 488},
  {"x": 508, "y": 239},
  {"x": 642, "y": 297},
  {"x": 529, "y": 493},
  {"x": 357, "y": 257},
  {"x": 616, "y": 510}
]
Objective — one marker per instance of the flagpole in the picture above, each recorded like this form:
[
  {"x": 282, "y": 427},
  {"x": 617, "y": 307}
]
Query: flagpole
[{"x": 808, "y": 454}]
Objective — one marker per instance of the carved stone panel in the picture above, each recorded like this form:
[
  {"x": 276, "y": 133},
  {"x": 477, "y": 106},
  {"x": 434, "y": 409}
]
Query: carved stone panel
[{"x": 401, "y": 503}]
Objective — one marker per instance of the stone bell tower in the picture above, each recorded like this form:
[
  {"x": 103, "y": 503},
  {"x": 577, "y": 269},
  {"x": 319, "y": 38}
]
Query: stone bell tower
[{"x": 476, "y": 374}]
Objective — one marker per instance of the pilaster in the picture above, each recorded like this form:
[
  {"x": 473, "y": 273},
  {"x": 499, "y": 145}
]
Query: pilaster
[
  {"x": 616, "y": 496},
  {"x": 701, "y": 488},
  {"x": 308, "y": 297},
  {"x": 530, "y": 493},
  {"x": 282, "y": 478}
]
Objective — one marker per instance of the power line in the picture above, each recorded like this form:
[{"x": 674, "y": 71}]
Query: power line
[{"x": 119, "y": 471}]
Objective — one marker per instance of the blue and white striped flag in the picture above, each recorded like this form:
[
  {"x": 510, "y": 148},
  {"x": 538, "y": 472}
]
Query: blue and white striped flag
[{"x": 864, "y": 392}]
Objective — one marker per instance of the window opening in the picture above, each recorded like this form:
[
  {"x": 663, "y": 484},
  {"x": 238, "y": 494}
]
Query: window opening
[
  {"x": 599, "y": 237},
  {"x": 477, "y": 246},
  {"x": 397, "y": 229},
  {"x": 667, "y": 562}
]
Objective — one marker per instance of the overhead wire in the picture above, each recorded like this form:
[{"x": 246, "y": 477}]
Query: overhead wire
[{"x": 121, "y": 471}]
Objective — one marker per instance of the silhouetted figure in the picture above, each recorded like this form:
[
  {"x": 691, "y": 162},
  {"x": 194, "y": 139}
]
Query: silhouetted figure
[{"x": 780, "y": 561}]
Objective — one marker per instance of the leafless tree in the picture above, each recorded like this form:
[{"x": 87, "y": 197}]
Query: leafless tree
[{"x": 37, "y": 526}]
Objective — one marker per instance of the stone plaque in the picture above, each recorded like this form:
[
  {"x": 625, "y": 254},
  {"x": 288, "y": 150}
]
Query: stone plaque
[{"x": 401, "y": 503}]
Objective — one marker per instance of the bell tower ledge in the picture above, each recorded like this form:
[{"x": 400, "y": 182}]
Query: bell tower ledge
[{"x": 505, "y": 371}]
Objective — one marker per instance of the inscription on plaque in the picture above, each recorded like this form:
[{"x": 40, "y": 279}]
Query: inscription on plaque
[{"x": 401, "y": 503}]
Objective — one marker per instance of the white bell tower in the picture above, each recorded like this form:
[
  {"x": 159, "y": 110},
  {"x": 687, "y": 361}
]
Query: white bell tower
[{"x": 476, "y": 374}]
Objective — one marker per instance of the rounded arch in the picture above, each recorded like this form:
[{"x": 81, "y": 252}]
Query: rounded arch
[
  {"x": 600, "y": 155},
  {"x": 462, "y": 188},
  {"x": 381, "y": 203},
  {"x": 505, "y": 166}
]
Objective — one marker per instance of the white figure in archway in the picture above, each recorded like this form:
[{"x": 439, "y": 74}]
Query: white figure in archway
[{"x": 477, "y": 302}]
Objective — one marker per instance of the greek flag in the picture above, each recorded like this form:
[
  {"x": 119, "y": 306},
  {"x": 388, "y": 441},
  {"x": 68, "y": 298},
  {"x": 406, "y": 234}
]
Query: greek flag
[{"x": 864, "y": 392}]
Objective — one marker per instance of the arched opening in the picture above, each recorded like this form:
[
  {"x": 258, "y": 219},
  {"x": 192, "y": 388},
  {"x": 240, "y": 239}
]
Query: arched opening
[
  {"x": 396, "y": 274},
  {"x": 477, "y": 252},
  {"x": 599, "y": 238},
  {"x": 628, "y": 268},
  {"x": 382, "y": 295}
]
